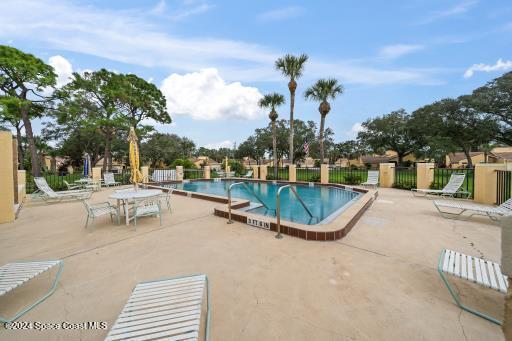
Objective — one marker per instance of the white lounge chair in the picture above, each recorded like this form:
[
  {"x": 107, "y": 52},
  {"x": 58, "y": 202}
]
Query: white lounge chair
[
  {"x": 50, "y": 195},
  {"x": 477, "y": 270},
  {"x": 167, "y": 308},
  {"x": 71, "y": 187},
  {"x": 109, "y": 180},
  {"x": 15, "y": 274},
  {"x": 456, "y": 209},
  {"x": 372, "y": 180},
  {"x": 248, "y": 174},
  {"x": 450, "y": 190}
]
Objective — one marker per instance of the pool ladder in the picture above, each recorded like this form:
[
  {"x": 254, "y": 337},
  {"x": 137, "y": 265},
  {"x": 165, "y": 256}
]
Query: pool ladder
[
  {"x": 278, "y": 203},
  {"x": 250, "y": 190},
  {"x": 278, "y": 207}
]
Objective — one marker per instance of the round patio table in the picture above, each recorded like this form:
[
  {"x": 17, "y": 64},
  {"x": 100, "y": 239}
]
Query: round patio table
[{"x": 126, "y": 195}]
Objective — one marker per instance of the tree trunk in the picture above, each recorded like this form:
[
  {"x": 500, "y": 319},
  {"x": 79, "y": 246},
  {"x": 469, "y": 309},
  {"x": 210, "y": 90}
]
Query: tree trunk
[
  {"x": 468, "y": 157},
  {"x": 34, "y": 159},
  {"x": 274, "y": 147},
  {"x": 321, "y": 137},
  {"x": 21, "y": 156},
  {"x": 400, "y": 159},
  {"x": 106, "y": 156},
  {"x": 292, "y": 107}
]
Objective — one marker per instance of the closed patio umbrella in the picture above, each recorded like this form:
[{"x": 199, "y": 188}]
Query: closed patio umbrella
[
  {"x": 136, "y": 175},
  {"x": 87, "y": 165}
]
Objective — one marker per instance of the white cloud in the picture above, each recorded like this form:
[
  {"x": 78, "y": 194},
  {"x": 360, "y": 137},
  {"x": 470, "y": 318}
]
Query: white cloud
[
  {"x": 217, "y": 145},
  {"x": 134, "y": 37},
  {"x": 62, "y": 68},
  {"x": 398, "y": 50},
  {"x": 499, "y": 66},
  {"x": 357, "y": 127},
  {"x": 458, "y": 9},
  {"x": 204, "y": 95},
  {"x": 282, "y": 13}
]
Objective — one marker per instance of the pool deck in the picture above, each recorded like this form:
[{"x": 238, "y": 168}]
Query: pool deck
[{"x": 380, "y": 282}]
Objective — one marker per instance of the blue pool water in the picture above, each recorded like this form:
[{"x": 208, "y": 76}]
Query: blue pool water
[{"x": 323, "y": 202}]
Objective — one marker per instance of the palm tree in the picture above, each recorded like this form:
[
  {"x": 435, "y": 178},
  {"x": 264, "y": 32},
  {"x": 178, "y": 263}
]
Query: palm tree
[
  {"x": 321, "y": 91},
  {"x": 271, "y": 101},
  {"x": 291, "y": 67}
]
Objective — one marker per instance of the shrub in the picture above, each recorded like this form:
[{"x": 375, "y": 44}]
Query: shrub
[
  {"x": 317, "y": 163},
  {"x": 237, "y": 167},
  {"x": 352, "y": 179},
  {"x": 314, "y": 178},
  {"x": 187, "y": 164}
]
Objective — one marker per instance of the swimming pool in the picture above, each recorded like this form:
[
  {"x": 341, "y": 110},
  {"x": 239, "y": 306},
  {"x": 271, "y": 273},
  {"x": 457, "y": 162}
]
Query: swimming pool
[{"x": 324, "y": 202}]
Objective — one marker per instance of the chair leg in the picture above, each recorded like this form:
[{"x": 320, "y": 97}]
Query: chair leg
[{"x": 457, "y": 299}]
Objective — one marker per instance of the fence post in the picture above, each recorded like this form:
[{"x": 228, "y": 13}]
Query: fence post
[
  {"x": 22, "y": 184},
  {"x": 324, "y": 173},
  {"x": 206, "y": 172},
  {"x": 424, "y": 174},
  {"x": 255, "y": 171},
  {"x": 96, "y": 173},
  {"x": 387, "y": 175},
  {"x": 263, "y": 172},
  {"x": 6, "y": 178},
  {"x": 485, "y": 182},
  {"x": 179, "y": 173},
  {"x": 292, "y": 173}
]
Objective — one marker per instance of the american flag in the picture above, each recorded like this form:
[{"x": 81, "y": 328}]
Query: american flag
[{"x": 306, "y": 148}]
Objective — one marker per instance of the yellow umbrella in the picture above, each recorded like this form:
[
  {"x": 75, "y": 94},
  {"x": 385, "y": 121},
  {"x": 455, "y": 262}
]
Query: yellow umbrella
[{"x": 134, "y": 158}]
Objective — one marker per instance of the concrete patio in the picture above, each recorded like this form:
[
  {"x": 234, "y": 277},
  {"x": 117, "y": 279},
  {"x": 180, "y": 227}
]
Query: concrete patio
[{"x": 378, "y": 283}]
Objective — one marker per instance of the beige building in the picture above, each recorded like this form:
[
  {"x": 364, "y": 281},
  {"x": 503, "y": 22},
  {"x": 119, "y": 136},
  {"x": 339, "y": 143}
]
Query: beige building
[{"x": 496, "y": 155}]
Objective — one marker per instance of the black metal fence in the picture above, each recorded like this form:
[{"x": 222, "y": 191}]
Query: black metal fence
[
  {"x": 405, "y": 177},
  {"x": 282, "y": 173},
  {"x": 309, "y": 174},
  {"x": 193, "y": 173},
  {"x": 442, "y": 176},
  {"x": 503, "y": 186},
  {"x": 347, "y": 175}
]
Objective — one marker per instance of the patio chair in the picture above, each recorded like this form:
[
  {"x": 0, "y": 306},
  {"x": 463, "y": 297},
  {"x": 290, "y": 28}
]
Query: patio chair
[
  {"x": 372, "y": 180},
  {"x": 231, "y": 174},
  {"x": 221, "y": 174},
  {"x": 49, "y": 195},
  {"x": 167, "y": 308},
  {"x": 71, "y": 187},
  {"x": 109, "y": 180},
  {"x": 94, "y": 185},
  {"x": 97, "y": 210},
  {"x": 483, "y": 272},
  {"x": 13, "y": 275},
  {"x": 248, "y": 174},
  {"x": 165, "y": 197},
  {"x": 450, "y": 190},
  {"x": 456, "y": 209},
  {"x": 146, "y": 207}
]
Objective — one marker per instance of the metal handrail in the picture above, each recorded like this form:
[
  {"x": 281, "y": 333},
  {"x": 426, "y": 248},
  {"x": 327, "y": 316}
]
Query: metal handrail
[
  {"x": 278, "y": 207},
  {"x": 250, "y": 191}
]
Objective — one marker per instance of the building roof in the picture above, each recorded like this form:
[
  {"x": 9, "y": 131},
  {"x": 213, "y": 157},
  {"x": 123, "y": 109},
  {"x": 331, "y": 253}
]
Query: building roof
[
  {"x": 459, "y": 156},
  {"x": 504, "y": 156},
  {"x": 372, "y": 159}
]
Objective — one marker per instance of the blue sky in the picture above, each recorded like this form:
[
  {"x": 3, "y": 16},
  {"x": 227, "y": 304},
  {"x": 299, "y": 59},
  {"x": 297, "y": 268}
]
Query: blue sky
[{"x": 214, "y": 59}]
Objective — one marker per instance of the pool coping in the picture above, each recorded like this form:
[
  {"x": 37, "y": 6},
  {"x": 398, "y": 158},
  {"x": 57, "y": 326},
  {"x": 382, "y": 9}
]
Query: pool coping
[{"x": 338, "y": 228}]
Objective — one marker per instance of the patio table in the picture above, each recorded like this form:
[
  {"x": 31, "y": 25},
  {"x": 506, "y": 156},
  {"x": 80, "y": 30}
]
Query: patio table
[{"x": 123, "y": 196}]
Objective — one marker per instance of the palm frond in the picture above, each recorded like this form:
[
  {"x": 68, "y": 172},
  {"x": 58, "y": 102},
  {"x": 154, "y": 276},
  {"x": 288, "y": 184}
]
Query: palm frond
[
  {"x": 291, "y": 66},
  {"x": 271, "y": 101},
  {"x": 323, "y": 90}
]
